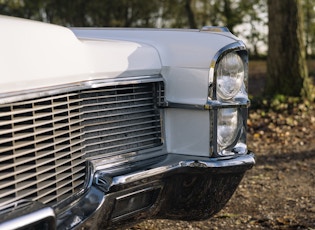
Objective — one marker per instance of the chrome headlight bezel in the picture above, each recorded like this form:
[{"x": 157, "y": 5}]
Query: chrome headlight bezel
[{"x": 234, "y": 100}]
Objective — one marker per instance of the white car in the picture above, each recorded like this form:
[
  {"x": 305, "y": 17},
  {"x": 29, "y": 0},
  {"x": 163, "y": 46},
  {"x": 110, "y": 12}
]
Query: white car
[{"x": 102, "y": 127}]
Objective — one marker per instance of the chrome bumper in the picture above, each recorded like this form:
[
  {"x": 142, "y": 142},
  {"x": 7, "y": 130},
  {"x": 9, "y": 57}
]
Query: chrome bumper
[{"x": 178, "y": 187}]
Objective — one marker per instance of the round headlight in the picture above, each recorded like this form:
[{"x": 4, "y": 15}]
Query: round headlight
[
  {"x": 228, "y": 127},
  {"x": 230, "y": 76}
]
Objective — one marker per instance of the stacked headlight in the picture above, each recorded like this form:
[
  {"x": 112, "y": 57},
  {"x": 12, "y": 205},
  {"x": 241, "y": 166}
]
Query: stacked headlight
[
  {"x": 232, "y": 101},
  {"x": 228, "y": 127},
  {"x": 230, "y": 76}
]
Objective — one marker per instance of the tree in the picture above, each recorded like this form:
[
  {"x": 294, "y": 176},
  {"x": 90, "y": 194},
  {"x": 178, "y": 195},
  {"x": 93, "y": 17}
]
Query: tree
[
  {"x": 286, "y": 64},
  {"x": 256, "y": 19},
  {"x": 309, "y": 13},
  {"x": 190, "y": 14}
]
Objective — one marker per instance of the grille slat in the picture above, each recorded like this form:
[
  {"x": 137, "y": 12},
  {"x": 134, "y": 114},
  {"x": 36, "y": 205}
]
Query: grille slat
[
  {"x": 40, "y": 161},
  {"x": 118, "y": 100},
  {"x": 121, "y": 95},
  {"x": 46, "y": 180},
  {"x": 144, "y": 108},
  {"x": 22, "y": 107},
  {"x": 96, "y": 124},
  {"x": 111, "y": 141},
  {"x": 16, "y": 127},
  {"x": 114, "y": 149},
  {"x": 40, "y": 147},
  {"x": 44, "y": 142},
  {"x": 118, "y": 150},
  {"x": 115, "y": 109},
  {"x": 92, "y": 133}
]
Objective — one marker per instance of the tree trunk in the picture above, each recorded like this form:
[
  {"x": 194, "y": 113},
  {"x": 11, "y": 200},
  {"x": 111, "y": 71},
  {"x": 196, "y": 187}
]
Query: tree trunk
[
  {"x": 190, "y": 15},
  {"x": 287, "y": 70}
]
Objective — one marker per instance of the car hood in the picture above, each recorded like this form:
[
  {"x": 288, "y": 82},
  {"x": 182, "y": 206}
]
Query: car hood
[
  {"x": 36, "y": 55},
  {"x": 184, "y": 48}
]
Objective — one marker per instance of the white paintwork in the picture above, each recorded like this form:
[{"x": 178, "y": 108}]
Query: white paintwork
[
  {"x": 186, "y": 85},
  {"x": 185, "y": 55},
  {"x": 177, "y": 48},
  {"x": 187, "y": 131},
  {"x": 35, "y": 55}
]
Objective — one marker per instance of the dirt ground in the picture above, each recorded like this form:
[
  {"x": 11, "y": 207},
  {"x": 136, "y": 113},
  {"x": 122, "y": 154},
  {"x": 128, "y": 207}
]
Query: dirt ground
[{"x": 279, "y": 192}]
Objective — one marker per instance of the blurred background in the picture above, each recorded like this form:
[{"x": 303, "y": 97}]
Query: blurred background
[
  {"x": 279, "y": 192},
  {"x": 247, "y": 19}
]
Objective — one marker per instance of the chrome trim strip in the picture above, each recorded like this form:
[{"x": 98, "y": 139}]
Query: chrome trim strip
[
  {"x": 210, "y": 105},
  {"x": 57, "y": 89},
  {"x": 169, "y": 104}
]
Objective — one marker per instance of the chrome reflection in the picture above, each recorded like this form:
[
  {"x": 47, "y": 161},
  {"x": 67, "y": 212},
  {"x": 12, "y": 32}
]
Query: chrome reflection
[
  {"x": 148, "y": 190},
  {"x": 64, "y": 88}
]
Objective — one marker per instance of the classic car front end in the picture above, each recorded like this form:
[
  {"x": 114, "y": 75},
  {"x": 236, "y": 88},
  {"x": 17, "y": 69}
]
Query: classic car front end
[{"x": 105, "y": 127}]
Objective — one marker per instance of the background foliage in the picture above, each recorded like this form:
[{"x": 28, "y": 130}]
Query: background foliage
[
  {"x": 247, "y": 19},
  {"x": 243, "y": 17}
]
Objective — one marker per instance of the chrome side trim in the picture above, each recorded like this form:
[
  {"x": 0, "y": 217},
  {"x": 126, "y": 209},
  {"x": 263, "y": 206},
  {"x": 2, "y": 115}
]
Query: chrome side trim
[
  {"x": 169, "y": 104},
  {"x": 57, "y": 89}
]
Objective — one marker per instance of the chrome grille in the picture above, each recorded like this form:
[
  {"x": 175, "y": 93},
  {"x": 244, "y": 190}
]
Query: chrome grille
[
  {"x": 40, "y": 147},
  {"x": 120, "y": 118},
  {"x": 44, "y": 141}
]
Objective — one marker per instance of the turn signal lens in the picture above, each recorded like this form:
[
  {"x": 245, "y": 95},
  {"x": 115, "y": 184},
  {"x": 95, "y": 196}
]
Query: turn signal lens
[{"x": 230, "y": 75}]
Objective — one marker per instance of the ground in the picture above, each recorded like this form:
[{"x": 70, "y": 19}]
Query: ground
[{"x": 279, "y": 191}]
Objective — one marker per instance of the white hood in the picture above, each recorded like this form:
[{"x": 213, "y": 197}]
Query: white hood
[
  {"x": 35, "y": 54},
  {"x": 176, "y": 47}
]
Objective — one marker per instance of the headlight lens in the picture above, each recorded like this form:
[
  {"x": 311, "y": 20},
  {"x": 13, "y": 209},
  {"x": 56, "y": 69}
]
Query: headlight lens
[
  {"x": 230, "y": 75},
  {"x": 228, "y": 127}
]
